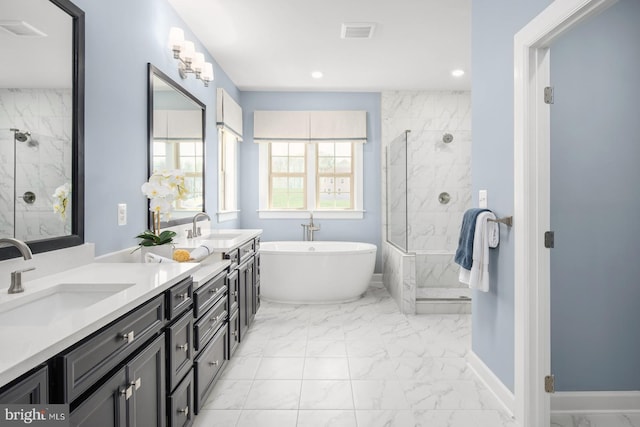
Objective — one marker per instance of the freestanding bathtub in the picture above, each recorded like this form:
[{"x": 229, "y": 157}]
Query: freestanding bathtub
[{"x": 315, "y": 272}]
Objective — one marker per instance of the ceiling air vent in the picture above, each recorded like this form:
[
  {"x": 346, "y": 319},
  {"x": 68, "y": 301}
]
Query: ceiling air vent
[
  {"x": 359, "y": 30},
  {"x": 21, "y": 29}
]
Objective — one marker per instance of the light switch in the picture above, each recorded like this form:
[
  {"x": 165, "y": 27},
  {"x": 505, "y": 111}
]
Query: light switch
[
  {"x": 482, "y": 199},
  {"x": 122, "y": 214}
]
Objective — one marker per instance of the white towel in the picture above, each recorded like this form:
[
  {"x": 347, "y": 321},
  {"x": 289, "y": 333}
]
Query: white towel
[
  {"x": 487, "y": 235},
  {"x": 153, "y": 258},
  {"x": 202, "y": 252}
]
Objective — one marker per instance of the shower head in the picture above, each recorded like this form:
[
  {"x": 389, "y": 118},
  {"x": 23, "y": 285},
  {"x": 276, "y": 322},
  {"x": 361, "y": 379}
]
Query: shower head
[{"x": 22, "y": 136}]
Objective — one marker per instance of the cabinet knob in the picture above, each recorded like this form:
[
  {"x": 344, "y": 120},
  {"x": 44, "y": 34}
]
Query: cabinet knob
[
  {"x": 235, "y": 293},
  {"x": 214, "y": 291},
  {"x": 127, "y": 392},
  {"x": 235, "y": 333},
  {"x": 184, "y": 411},
  {"x": 184, "y": 347},
  {"x": 128, "y": 337},
  {"x": 216, "y": 363},
  {"x": 184, "y": 296}
]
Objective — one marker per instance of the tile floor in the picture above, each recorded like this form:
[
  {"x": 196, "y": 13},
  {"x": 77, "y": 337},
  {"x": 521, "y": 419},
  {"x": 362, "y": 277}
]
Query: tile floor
[{"x": 360, "y": 364}]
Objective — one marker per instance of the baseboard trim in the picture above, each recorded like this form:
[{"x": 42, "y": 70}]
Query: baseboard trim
[
  {"x": 492, "y": 382},
  {"x": 595, "y": 401}
]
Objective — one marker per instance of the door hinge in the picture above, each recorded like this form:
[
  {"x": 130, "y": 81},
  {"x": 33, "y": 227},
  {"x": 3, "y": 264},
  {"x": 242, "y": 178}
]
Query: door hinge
[
  {"x": 549, "y": 384},
  {"x": 548, "y": 95},
  {"x": 549, "y": 239}
]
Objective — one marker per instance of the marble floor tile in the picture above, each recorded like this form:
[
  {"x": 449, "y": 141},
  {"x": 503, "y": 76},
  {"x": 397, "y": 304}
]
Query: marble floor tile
[
  {"x": 371, "y": 368},
  {"x": 268, "y": 418},
  {"x": 326, "y": 418},
  {"x": 317, "y": 348},
  {"x": 326, "y": 394},
  {"x": 420, "y": 368},
  {"x": 326, "y": 332},
  {"x": 228, "y": 394},
  {"x": 443, "y": 394},
  {"x": 285, "y": 348},
  {"x": 363, "y": 348},
  {"x": 217, "y": 418},
  {"x": 388, "y": 418},
  {"x": 241, "y": 368},
  {"x": 326, "y": 368},
  {"x": 380, "y": 394},
  {"x": 458, "y": 418},
  {"x": 280, "y": 368},
  {"x": 274, "y": 394}
]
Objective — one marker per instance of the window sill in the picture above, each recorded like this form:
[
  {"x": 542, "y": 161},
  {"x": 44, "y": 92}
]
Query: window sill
[
  {"x": 317, "y": 214},
  {"x": 227, "y": 215}
]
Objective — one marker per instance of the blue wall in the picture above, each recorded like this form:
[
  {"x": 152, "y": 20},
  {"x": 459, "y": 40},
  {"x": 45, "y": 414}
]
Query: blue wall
[
  {"x": 595, "y": 200},
  {"x": 121, "y": 37},
  {"x": 494, "y": 23},
  {"x": 367, "y": 229}
]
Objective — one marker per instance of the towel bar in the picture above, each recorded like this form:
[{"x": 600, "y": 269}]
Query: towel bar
[{"x": 507, "y": 220}]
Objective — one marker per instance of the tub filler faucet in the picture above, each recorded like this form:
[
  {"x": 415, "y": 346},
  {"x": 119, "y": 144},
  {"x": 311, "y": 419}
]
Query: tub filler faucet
[{"x": 308, "y": 229}]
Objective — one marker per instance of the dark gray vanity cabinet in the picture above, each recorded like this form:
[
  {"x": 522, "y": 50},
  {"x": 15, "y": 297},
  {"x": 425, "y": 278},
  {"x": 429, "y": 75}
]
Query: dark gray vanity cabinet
[
  {"x": 31, "y": 389},
  {"x": 133, "y": 396},
  {"x": 180, "y": 349},
  {"x": 208, "y": 366},
  {"x": 181, "y": 406}
]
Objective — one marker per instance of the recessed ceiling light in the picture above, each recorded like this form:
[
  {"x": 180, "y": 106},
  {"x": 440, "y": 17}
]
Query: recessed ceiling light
[
  {"x": 317, "y": 74},
  {"x": 457, "y": 73}
]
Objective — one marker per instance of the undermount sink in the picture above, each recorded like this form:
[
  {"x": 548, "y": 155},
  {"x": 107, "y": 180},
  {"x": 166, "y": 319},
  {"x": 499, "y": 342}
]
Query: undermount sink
[
  {"x": 46, "y": 306},
  {"x": 220, "y": 236}
]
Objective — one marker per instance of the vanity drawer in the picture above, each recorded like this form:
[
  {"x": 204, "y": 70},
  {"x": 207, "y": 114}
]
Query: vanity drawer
[
  {"x": 206, "y": 295},
  {"x": 256, "y": 268},
  {"x": 207, "y": 366},
  {"x": 233, "y": 286},
  {"x": 181, "y": 408},
  {"x": 234, "y": 257},
  {"x": 206, "y": 327},
  {"x": 234, "y": 333},
  {"x": 179, "y": 298},
  {"x": 246, "y": 251},
  {"x": 179, "y": 349},
  {"x": 92, "y": 358}
]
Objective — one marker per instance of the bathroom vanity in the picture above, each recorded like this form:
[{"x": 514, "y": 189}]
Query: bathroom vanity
[{"x": 151, "y": 346}]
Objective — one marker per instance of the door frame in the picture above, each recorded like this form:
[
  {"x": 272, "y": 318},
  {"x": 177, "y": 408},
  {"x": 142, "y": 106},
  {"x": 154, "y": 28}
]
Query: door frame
[{"x": 532, "y": 138}]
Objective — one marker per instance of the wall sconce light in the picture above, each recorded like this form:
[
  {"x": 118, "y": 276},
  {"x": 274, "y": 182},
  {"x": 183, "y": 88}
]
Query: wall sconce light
[{"x": 190, "y": 60}]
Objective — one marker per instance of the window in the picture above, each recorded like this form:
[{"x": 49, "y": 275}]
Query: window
[
  {"x": 227, "y": 176},
  {"x": 334, "y": 175},
  {"x": 298, "y": 177},
  {"x": 185, "y": 155}
]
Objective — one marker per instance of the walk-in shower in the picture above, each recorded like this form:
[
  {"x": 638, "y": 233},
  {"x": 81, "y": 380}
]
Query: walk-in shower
[
  {"x": 428, "y": 188},
  {"x": 30, "y": 173}
]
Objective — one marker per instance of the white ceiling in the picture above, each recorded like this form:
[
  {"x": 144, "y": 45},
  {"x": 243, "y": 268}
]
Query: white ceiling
[
  {"x": 276, "y": 44},
  {"x": 36, "y": 62}
]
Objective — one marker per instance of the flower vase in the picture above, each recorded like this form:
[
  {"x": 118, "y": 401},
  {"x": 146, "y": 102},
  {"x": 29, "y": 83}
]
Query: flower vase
[{"x": 165, "y": 251}]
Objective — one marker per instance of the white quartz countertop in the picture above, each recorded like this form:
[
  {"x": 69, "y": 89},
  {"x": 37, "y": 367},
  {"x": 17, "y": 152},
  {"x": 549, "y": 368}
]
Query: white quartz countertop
[
  {"x": 219, "y": 240},
  {"x": 24, "y": 346}
]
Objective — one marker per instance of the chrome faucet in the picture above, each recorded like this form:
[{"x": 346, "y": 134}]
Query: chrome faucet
[
  {"x": 195, "y": 231},
  {"x": 16, "y": 276},
  {"x": 308, "y": 229}
]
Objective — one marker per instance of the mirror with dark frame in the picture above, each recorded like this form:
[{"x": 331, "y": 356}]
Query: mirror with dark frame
[
  {"x": 42, "y": 124},
  {"x": 176, "y": 123}
]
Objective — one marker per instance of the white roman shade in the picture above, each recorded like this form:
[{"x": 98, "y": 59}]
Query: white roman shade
[
  {"x": 310, "y": 126},
  {"x": 338, "y": 125},
  {"x": 229, "y": 114}
]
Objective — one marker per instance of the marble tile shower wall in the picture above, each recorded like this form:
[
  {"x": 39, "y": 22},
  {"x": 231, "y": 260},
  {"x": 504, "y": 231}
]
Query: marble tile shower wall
[
  {"x": 40, "y": 166},
  {"x": 433, "y": 167}
]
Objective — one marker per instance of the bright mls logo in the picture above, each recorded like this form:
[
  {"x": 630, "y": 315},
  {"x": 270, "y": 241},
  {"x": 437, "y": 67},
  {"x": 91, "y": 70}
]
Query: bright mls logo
[{"x": 36, "y": 415}]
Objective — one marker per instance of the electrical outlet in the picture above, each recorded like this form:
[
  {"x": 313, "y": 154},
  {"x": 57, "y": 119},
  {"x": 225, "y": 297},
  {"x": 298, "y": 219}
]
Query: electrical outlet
[
  {"x": 482, "y": 199},
  {"x": 122, "y": 214}
]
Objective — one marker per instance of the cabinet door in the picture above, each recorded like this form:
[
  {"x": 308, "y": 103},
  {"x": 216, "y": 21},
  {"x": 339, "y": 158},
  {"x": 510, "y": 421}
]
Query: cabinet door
[
  {"x": 146, "y": 376},
  {"x": 180, "y": 349},
  {"x": 105, "y": 407},
  {"x": 251, "y": 293},
  {"x": 242, "y": 292},
  {"x": 32, "y": 390}
]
